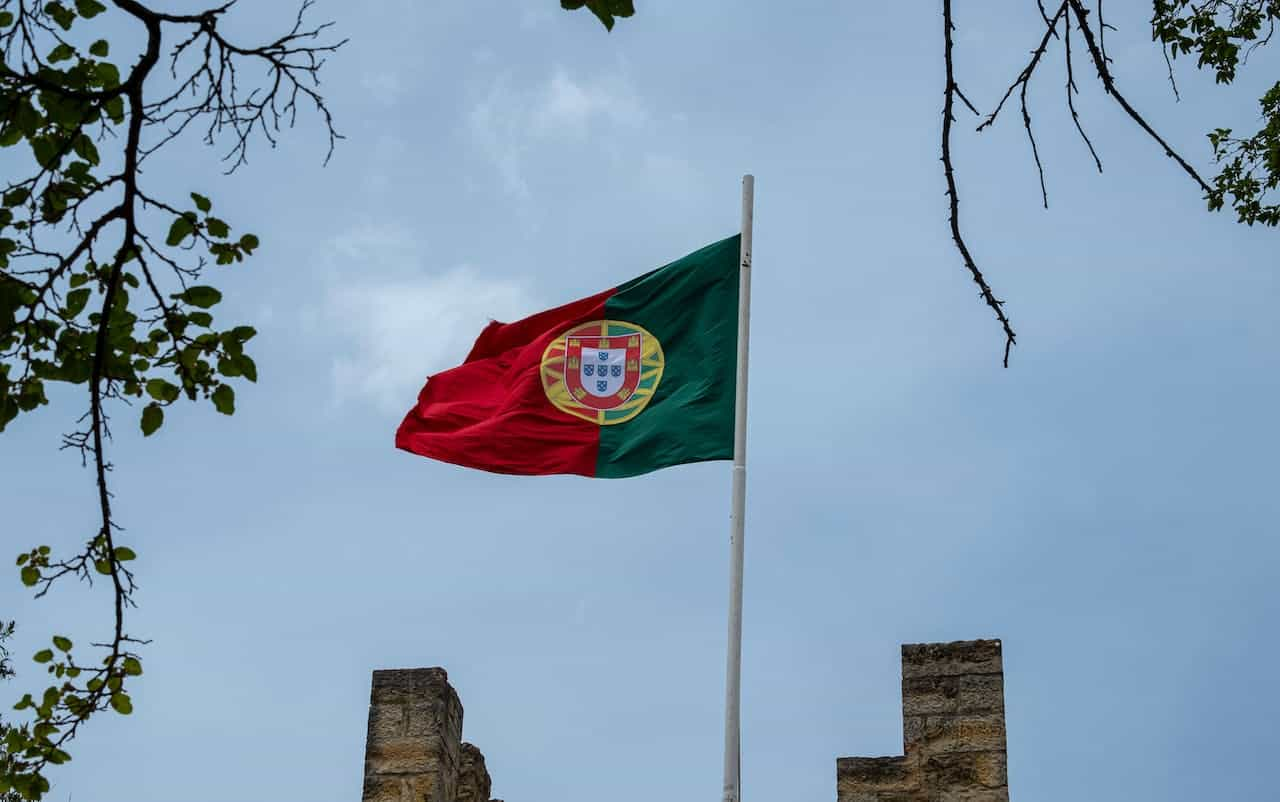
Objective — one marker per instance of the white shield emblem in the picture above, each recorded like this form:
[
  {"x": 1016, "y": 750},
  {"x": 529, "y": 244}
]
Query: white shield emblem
[{"x": 602, "y": 370}]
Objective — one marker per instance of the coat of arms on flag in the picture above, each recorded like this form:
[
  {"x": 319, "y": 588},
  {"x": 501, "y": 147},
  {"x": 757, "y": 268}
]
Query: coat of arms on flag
[{"x": 604, "y": 371}]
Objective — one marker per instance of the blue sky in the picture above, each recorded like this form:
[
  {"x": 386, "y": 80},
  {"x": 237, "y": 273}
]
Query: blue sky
[{"x": 1106, "y": 506}]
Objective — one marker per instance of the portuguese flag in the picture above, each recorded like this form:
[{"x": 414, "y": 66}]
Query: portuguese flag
[{"x": 630, "y": 380}]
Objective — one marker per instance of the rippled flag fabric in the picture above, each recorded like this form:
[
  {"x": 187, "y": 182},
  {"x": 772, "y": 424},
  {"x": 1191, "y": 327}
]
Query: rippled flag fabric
[{"x": 627, "y": 381}]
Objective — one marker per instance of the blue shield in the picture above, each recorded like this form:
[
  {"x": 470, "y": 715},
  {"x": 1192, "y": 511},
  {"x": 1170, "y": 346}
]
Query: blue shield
[{"x": 589, "y": 369}]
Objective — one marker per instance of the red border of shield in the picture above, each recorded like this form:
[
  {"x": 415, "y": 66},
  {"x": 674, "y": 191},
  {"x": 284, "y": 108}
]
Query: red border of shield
[{"x": 574, "y": 343}]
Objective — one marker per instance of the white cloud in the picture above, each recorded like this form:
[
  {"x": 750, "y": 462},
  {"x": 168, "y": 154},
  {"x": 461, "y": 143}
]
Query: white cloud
[
  {"x": 497, "y": 127},
  {"x": 401, "y": 322},
  {"x": 508, "y": 122},
  {"x": 567, "y": 107}
]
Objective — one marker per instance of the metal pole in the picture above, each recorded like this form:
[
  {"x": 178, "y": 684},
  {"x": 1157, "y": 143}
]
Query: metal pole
[{"x": 733, "y": 672}]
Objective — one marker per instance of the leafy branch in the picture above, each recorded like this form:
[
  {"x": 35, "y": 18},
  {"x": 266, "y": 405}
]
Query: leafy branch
[
  {"x": 6, "y": 672},
  {"x": 1221, "y": 32},
  {"x": 605, "y": 10},
  {"x": 100, "y": 278}
]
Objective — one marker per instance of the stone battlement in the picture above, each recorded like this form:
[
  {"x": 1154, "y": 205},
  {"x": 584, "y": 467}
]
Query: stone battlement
[
  {"x": 414, "y": 750},
  {"x": 952, "y": 731},
  {"x": 952, "y": 716}
]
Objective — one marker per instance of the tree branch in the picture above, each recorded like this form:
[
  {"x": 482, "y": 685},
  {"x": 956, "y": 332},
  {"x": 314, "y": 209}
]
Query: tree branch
[{"x": 948, "y": 117}]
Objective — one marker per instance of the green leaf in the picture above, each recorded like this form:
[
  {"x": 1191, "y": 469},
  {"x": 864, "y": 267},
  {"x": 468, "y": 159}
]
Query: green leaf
[
  {"x": 45, "y": 151},
  {"x": 605, "y": 10},
  {"x": 16, "y": 196},
  {"x": 102, "y": 566},
  {"x": 27, "y": 118},
  {"x": 249, "y": 242},
  {"x": 61, "y": 15},
  {"x": 86, "y": 150},
  {"x": 22, "y": 559},
  {"x": 115, "y": 109},
  {"x": 132, "y": 667},
  {"x": 217, "y": 228},
  {"x": 76, "y": 301},
  {"x": 152, "y": 418},
  {"x": 124, "y": 554},
  {"x": 203, "y": 297},
  {"x": 202, "y": 203},
  {"x": 62, "y": 52},
  {"x": 100, "y": 48},
  {"x": 161, "y": 390},
  {"x": 244, "y": 333},
  {"x": 180, "y": 230},
  {"x": 30, "y": 576},
  {"x": 121, "y": 703},
  {"x": 62, "y": 643},
  {"x": 224, "y": 399},
  {"x": 6, "y": 19},
  {"x": 228, "y": 367},
  {"x": 89, "y": 8},
  {"x": 247, "y": 367},
  {"x": 43, "y": 656}
]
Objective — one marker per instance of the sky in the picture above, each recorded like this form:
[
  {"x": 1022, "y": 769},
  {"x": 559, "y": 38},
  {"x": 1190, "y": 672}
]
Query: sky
[{"x": 1106, "y": 505}]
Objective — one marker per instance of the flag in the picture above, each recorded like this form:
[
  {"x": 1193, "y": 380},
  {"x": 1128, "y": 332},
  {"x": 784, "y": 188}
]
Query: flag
[{"x": 627, "y": 381}]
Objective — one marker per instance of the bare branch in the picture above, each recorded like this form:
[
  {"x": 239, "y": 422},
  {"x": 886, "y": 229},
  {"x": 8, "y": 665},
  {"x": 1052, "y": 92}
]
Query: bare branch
[
  {"x": 1071, "y": 92},
  {"x": 1108, "y": 82},
  {"x": 948, "y": 117}
]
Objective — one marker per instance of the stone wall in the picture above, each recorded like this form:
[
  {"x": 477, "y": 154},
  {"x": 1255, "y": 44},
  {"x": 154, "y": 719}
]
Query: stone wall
[
  {"x": 953, "y": 731},
  {"x": 414, "y": 750},
  {"x": 952, "y": 716}
]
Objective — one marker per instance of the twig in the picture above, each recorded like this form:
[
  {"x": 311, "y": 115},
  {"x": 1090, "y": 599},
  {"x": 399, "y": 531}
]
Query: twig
[
  {"x": 1071, "y": 91},
  {"x": 948, "y": 117},
  {"x": 1108, "y": 83}
]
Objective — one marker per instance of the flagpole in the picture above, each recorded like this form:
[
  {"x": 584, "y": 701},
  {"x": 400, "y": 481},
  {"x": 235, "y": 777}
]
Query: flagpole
[{"x": 733, "y": 670}]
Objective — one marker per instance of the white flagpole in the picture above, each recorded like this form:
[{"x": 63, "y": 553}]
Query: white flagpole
[{"x": 733, "y": 672}]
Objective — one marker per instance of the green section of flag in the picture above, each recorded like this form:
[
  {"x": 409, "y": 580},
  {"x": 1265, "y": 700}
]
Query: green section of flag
[{"x": 691, "y": 306}]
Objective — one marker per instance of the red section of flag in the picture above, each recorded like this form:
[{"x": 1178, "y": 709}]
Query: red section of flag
[{"x": 491, "y": 412}]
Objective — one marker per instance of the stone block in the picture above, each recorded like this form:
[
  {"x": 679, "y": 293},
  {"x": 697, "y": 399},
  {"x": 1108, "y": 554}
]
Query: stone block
[
  {"x": 862, "y": 774},
  {"x": 407, "y": 756},
  {"x": 401, "y": 686},
  {"x": 378, "y": 788},
  {"x": 885, "y": 796},
  {"x": 966, "y": 770},
  {"x": 955, "y": 694},
  {"x": 960, "y": 734},
  {"x": 386, "y": 722},
  {"x": 950, "y": 659}
]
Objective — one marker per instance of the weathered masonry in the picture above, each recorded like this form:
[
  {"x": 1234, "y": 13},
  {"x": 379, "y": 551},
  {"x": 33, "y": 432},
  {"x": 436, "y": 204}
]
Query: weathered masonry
[
  {"x": 953, "y": 736},
  {"x": 952, "y": 731},
  {"x": 414, "y": 751}
]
